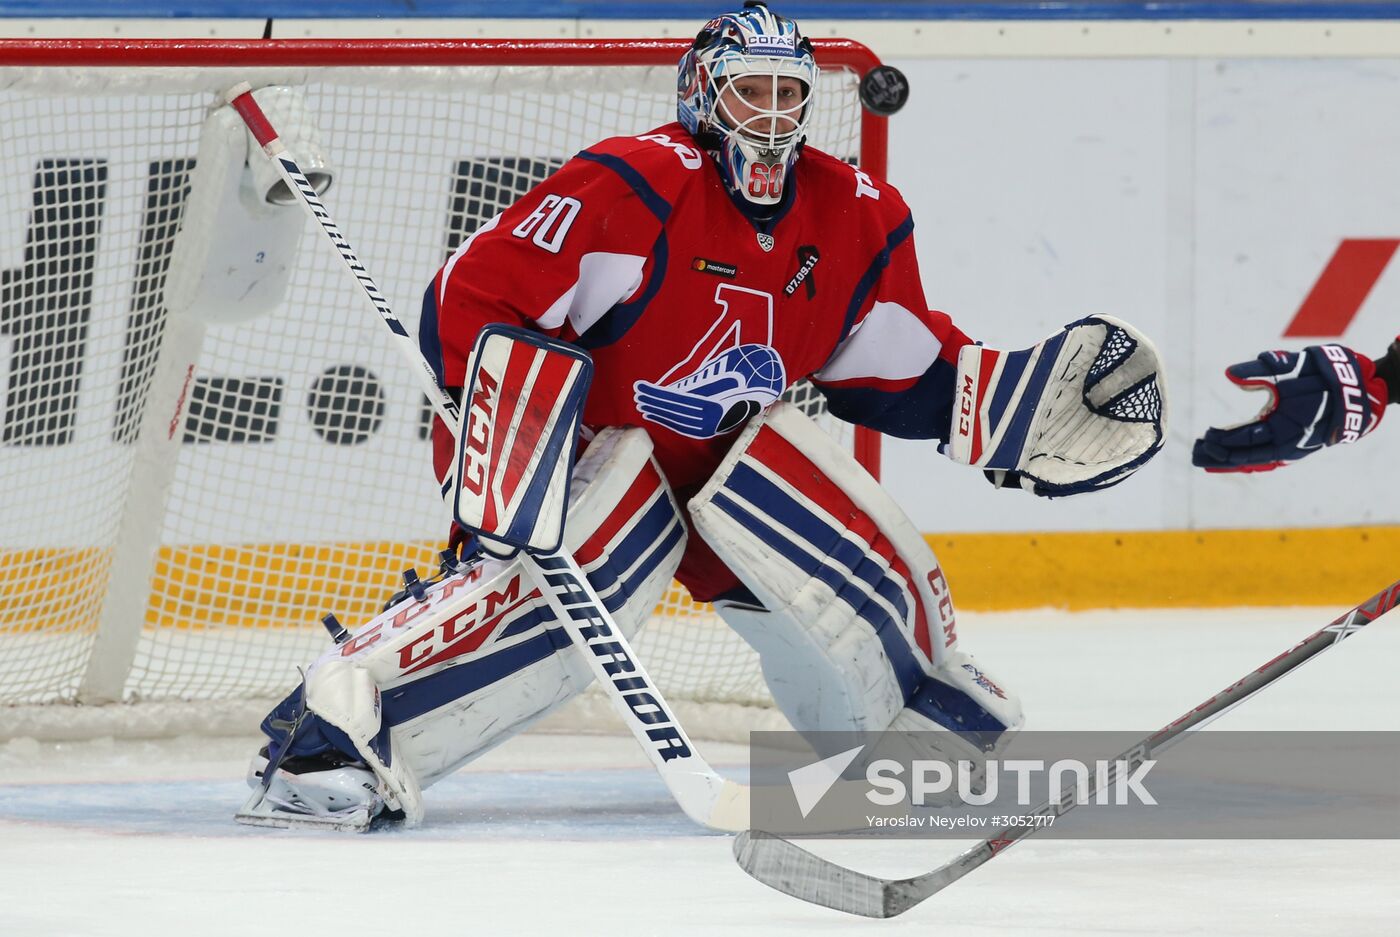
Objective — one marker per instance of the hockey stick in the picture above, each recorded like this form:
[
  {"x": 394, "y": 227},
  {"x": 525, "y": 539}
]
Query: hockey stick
[
  {"x": 705, "y": 796},
  {"x": 791, "y": 869}
]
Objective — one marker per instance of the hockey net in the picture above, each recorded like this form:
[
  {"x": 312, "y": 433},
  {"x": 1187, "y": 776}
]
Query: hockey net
[{"x": 187, "y": 493}]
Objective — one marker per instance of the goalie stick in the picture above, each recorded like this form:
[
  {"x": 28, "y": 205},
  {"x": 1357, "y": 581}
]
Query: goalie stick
[
  {"x": 791, "y": 869},
  {"x": 706, "y": 797}
]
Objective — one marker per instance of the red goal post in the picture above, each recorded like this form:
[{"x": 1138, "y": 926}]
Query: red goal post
[{"x": 163, "y": 466}]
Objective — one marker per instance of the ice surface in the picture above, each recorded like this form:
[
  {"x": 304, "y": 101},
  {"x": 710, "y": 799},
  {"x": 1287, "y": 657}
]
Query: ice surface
[{"x": 556, "y": 835}]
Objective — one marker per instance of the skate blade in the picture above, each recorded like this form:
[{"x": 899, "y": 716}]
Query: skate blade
[{"x": 258, "y": 811}]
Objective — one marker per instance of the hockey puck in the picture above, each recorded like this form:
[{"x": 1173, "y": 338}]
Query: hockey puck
[{"x": 884, "y": 90}]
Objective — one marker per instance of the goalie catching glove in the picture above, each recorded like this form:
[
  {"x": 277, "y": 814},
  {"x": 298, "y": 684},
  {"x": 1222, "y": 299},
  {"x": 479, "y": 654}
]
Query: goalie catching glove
[{"x": 1080, "y": 411}]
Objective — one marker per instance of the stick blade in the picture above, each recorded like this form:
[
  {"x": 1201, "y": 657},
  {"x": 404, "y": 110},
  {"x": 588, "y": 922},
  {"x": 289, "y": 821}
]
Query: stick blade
[{"x": 793, "y": 870}]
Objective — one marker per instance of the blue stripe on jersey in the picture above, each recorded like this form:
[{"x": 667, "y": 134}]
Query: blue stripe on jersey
[
  {"x": 429, "y": 341},
  {"x": 907, "y": 670},
  {"x": 412, "y": 700},
  {"x": 615, "y": 323},
  {"x": 638, "y": 183},
  {"x": 872, "y": 275},
  {"x": 924, "y": 411}
]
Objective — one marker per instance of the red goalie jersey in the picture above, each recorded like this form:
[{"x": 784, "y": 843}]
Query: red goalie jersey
[{"x": 696, "y": 314}]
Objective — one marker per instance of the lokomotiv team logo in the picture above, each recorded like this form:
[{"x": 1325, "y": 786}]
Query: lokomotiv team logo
[{"x": 732, "y": 373}]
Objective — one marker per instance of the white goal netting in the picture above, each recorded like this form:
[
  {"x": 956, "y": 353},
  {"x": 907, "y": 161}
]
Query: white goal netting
[{"x": 187, "y": 490}]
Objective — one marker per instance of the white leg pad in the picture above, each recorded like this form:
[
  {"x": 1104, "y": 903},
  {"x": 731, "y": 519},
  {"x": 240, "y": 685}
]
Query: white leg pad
[
  {"x": 427, "y": 686},
  {"x": 344, "y": 695},
  {"x": 820, "y": 681},
  {"x": 963, "y": 682},
  {"x": 857, "y": 624}
]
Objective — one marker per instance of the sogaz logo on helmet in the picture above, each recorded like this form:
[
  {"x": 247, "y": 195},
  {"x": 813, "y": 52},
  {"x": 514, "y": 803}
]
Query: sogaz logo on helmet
[{"x": 773, "y": 45}]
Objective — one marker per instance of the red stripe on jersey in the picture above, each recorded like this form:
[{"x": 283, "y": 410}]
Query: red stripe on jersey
[
  {"x": 638, "y": 495},
  {"x": 780, "y": 455}
]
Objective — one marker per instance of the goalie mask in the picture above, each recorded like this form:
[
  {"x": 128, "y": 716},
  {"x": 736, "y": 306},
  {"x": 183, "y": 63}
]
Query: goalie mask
[{"x": 745, "y": 91}]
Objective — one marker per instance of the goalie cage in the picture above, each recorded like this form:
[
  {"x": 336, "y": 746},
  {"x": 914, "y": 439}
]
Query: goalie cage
[{"x": 187, "y": 492}]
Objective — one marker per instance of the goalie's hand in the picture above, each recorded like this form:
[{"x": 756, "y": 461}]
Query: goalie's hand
[
  {"x": 1080, "y": 411},
  {"x": 1321, "y": 396}
]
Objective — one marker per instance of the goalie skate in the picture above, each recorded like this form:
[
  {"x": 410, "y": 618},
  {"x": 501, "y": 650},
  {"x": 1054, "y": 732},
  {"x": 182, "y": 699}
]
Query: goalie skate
[{"x": 311, "y": 793}]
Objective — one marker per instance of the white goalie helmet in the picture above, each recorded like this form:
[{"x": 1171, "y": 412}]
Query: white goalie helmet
[{"x": 757, "y": 142}]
